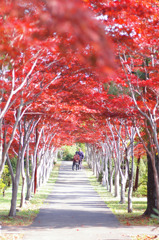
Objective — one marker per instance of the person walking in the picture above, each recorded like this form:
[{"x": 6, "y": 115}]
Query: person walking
[
  {"x": 76, "y": 161},
  {"x": 81, "y": 154}
]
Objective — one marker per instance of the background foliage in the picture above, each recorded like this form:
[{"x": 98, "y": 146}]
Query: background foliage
[{"x": 69, "y": 151}]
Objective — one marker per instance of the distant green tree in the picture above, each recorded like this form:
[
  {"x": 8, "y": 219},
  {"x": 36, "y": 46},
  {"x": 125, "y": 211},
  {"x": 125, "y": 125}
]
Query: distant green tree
[
  {"x": 5, "y": 180},
  {"x": 69, "y": 151}
]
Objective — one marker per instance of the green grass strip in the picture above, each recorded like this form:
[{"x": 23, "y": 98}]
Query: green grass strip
[
  {"x": 135, "y": 218},
  {"x": 26, "y": 215}
]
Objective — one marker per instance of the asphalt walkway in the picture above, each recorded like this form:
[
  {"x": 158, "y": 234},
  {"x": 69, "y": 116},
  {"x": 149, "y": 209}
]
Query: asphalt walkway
[{"x": 74, "y": 211}]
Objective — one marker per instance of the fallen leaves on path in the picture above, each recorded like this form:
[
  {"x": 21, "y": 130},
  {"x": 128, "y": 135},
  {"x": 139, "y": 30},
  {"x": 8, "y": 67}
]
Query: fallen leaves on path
[
  {"x": 146, "y": 237},
  {"x": 18, "y": 220},
  {"x": 137, "y": 220},
  {"x": 11, "y": 236}
]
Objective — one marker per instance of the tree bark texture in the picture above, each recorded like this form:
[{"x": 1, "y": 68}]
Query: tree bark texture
[{"x": 151, "y": 193}]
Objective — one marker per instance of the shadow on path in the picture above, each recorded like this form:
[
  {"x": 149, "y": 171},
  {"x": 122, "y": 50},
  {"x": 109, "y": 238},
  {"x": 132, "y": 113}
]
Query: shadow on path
[
  {"x": 74, "y": 203},
  {"x": 74, "y": 211}
]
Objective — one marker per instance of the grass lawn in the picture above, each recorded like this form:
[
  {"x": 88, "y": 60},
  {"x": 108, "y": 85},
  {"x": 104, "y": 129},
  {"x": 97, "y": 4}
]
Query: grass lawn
[
  {"x": 135, "y": 218},
  {"x": 26, "y": 215}
]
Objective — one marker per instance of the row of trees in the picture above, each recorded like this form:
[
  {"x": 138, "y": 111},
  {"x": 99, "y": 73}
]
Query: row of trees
[
  {"x": 131, "y": 108},
  {"x": 44, "y": 60},
  {"x": 116, "y": 161},
  {"x": 78, "y": 71}
]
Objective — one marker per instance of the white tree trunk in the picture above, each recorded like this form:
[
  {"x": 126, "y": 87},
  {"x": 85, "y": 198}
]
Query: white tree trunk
[{"x": 116, "y": 193}]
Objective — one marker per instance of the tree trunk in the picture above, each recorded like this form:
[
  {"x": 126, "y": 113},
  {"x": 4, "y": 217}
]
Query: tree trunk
[
  {"x": 116, "y": 181},
  {"x": 36, "y": 160},
  {"x": 123, "y": 175},
  {"x": 28, "y": 193},
  {"x": 15, "y": 185},
  {"x": 123, "y": 186},
  {"x": 111, "y": 173},
  {"x": 151, "y": 193},
  {"x": 130, "y": 207},
  {"x": 22, "y": 201},
  {"x": 12, "y": 211},
  {"x": 94, "y": 163},
  {"x": 137, "y": 174},
  {"x": 30, "y": 182},
  {"x": 91, "y": 157},
  {"x": 105, "y": 173},
  {"x": 131, "y": 174}
]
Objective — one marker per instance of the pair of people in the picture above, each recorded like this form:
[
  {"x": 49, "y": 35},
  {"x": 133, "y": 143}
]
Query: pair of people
[{"x": 77, "y": 159}]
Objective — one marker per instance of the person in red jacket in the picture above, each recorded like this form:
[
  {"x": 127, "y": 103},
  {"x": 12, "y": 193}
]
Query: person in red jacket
[{"x": 76, "y": 161}]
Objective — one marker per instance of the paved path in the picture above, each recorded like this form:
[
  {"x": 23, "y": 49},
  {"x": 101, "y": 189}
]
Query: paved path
[{"x": 74, "y": 211}]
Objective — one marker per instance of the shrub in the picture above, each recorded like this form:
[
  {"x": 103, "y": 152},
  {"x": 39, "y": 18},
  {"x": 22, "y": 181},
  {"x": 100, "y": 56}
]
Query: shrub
[
  {"x": 68, "y": 157},
  {"x": 2, "y": 185},
  {"x": 5, "y": 180},
  {"x": 69, "y": 151}
]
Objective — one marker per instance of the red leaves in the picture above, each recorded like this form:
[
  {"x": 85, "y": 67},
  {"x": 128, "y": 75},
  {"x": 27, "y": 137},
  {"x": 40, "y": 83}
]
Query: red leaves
[
  {"x": 145, "y": 237},
  {"x": 70, "y": 17},
  {"x": 72, "y": 51}
]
